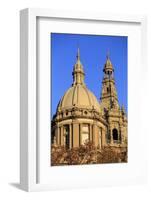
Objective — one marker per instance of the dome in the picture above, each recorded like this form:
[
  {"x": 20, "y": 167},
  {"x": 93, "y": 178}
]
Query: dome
[{"x": 79, "y": 96}]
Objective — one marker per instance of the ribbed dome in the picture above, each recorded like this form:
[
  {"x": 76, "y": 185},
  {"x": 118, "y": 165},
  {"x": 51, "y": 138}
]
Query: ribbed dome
[{"x": 79, "y": 96}]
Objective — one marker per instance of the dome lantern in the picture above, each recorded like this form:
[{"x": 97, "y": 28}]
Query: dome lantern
[{"x": 78, "y": 73}]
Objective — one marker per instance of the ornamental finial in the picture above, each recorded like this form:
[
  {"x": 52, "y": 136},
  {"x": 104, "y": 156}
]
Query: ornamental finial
[
  {"x": 108, "y": 54},
  {"x": 78, "y": 54}
]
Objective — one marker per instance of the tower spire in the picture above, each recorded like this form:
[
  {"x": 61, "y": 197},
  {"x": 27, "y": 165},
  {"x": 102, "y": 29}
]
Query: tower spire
[
  {"x": 108, "y": 54},
  {"x": 109, "y": 98},
  {"x": 78, "y": 73},
  {"x": 108, "y": 67},
  {"x": 78, "y": 54}
]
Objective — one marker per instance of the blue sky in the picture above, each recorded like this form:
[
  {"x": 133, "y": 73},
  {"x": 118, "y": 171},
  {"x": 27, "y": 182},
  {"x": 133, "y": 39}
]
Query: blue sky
[{"x": 93, "y": 51}]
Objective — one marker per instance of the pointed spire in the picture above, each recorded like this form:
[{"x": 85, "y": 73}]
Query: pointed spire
[
  {"x": 108, "y": 54},
  {"x": 78, "y": 54},
  {"x": 108, "y": 67},
  {"x": 78, "y": 73},
  {"x": 108, "y": 61}
]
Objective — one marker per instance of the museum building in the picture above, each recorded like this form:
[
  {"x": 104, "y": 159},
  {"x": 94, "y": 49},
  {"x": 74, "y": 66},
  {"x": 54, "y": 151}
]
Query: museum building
[{"x": 81, "y": 118}]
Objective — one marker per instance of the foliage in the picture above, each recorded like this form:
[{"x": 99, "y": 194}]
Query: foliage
[{"x": 87, "y": 154}]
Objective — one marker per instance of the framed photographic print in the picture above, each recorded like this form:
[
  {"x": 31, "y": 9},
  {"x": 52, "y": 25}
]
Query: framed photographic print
[{"x": 82, "y": 77}]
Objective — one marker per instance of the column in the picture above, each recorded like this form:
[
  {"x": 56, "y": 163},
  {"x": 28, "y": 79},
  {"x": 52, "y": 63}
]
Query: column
[
  {"x": 100, "y": 137},
  {"x": 57, "y": 135},
  {"x": 103, "y": 137},
  {"x": 95, "y": 134},
  {"x": 62, "y": 136},
  {"x": 75, "y": 134},
  {"x": 111, "y": 135},
  {"x": 70, "y": 136},
  {"x": 80, "y": 134},
  {"x": 91, "y": 139},
  {"x": 120, "y": 135}
]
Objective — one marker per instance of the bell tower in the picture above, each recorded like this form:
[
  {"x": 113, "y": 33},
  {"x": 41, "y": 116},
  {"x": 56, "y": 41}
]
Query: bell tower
[
  {"x": 108, "y": 98},
  {"x": 114, "y": 114}
]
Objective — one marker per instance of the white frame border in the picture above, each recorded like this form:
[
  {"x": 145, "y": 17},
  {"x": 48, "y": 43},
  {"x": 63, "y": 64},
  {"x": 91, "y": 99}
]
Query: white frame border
[{"x": 28, "y": 82}]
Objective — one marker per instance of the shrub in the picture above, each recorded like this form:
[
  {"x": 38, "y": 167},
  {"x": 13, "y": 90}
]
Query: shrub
[{"x": 87, "y": 154}]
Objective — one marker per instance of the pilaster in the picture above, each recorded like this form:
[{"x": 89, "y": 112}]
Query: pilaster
[{"x": 75, "y": 134}]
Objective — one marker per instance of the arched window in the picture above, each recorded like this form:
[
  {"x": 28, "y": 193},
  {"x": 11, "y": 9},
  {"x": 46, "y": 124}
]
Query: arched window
[
  {"x": 66, "y": 136},
  {"x": 85, "y": 134},
  {"x": 52, "y": 137},
  {"x": 115, "y": 134}
]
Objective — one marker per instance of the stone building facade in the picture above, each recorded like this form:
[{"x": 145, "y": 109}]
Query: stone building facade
[{"x": 81, "y": 118}]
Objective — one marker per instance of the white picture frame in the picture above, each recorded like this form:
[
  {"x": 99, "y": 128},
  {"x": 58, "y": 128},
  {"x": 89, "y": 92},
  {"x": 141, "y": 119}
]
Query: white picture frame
[{"x": 29, "y": 83}]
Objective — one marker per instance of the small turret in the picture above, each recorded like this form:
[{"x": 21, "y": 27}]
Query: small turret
[
  {"x": 78, "y": 73},
  {"x": 108, "y": 98},
  {"x": 108, "y": 67}
]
